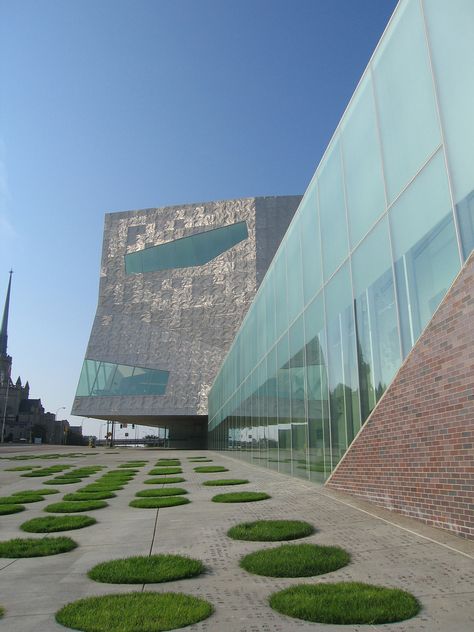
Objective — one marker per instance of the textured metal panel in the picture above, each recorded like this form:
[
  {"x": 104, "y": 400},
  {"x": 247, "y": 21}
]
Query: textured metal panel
[{"x": 184, "y": 320}]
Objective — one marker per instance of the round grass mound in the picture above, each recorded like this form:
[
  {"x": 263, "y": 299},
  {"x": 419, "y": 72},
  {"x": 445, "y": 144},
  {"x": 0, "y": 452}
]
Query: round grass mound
[
  {"x": 35, "y": 492},
  {"x": 168, "y": 463},
  {"x": 75, "y": 506},
  {"x": 62, "y": 481},
  {"x": 226, "y": 481},
  {"x": 154, "y": 493},
  {"x": 158, "y": 503},
  {"x": 89, "y": 496},
  {"x": 129, "y": 612},
  {"x": 295, "y": 560},
  {"x": 10, "y": 509},
  {"x": 345, "y": 603},
  {"x": 199, "y": 458},
  {"x": 51, "y": 524},
  {"x": 142, "y": 569},
  {"x": 20, "y": 498},
  {"x": 100, "y": 487},
  {"x": 240, "y": 497},
  {"x": 210, "y": 468},
  {"x": 165, "y": 481},
  {"x": 271, "y": 530},
  {"x": 29, "y": 547},
  {"x": 165, "y": 470}
]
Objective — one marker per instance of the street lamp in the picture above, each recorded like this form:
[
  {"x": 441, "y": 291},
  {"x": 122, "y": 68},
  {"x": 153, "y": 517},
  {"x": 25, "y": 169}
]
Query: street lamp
[{"x": 55, "y": 417}]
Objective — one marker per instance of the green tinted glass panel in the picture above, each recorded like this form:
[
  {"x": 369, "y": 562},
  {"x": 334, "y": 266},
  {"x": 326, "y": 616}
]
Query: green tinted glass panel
[
  {"x": 106, "y": 379},
  {"x": 195, "y": 250},
  {"x": 310, "y": 244}
]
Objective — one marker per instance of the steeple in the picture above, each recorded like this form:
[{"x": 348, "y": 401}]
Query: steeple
[{"x": 4, "y": 329}]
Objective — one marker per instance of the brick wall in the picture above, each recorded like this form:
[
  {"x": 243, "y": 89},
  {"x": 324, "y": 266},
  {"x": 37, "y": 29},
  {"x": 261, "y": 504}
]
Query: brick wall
[{"x": 415, "y": 454}]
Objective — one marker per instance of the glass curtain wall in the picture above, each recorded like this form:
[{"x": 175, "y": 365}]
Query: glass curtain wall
[{"x": 382, "y": 231}]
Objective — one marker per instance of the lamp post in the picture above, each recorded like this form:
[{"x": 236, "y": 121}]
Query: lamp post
[{"x": 55, "y": 416}]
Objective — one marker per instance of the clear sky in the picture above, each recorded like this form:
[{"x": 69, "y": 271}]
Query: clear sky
[{"x": 109, "y": 105}]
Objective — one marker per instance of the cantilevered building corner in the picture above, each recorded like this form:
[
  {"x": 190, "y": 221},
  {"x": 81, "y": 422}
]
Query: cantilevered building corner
[{"x": 176, "y": 283}]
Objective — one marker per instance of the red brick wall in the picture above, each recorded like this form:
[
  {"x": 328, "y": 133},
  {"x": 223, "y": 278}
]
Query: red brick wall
[{"x": 415, "y": 454}]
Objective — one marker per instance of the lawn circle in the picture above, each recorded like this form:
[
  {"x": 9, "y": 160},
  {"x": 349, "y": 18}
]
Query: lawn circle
[
  {"x": 295, "y": 560},
  {"x": 82, "y": 495},
  {"x": 129, "y": 612},
  {"x": 76, "y": 506},
  {"x": 210, "y": 468},
  {"x": 226, "y": 481},
  {"x": 152, "y": 569},
  {"x": 158, "y": 503},
  {"x": 20, "y": 499},
  {"x": 35, "y": 492},
  {"x": 39, "y": 547},
  {"x": 271, "y": 530},
  {"x": 52, "y": 524},
  {"x": 165, "y": 481},
  {"x": 345, "y": 603},
  {"x": 157, "y": 471},
  {"x": 10, "y": 509},
  {"x": 240, "y": 497},
  {"x": 167, "y": 491}
]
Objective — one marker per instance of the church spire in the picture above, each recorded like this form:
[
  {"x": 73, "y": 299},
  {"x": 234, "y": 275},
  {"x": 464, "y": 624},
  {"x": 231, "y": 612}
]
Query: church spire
[{"x": 4, "y": 329}]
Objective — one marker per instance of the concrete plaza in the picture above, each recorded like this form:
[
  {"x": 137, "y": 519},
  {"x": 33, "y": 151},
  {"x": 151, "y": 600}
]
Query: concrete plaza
[{"x": 436, "y": 567}]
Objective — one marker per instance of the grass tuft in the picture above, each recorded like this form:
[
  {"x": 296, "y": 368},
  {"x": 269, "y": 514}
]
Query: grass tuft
[
  {"x": 295, "y": 560},
  {"x": 240, "y": 497},
  {"x": 62, "y": 481},
  {"x": 51, "y": 524},
  {"x": 271, "y": 530},
  {"x": 154, "y": 493},
  {"x": 20, "y": 498},
  {"x": 157, "y": 471},
  {"x": 10, "y": 509},
  {"x": 151, "y": 569},
  {"x": 89, "y": 496},
  {"x": 168, "y": 462},
  {"x": 210, "y": 468},
  {"x": 75, "y": 506},
  {"x": 345, "y": 603},
  {"x": 29, "y": 547},
  {"x": 165, "y": 481},
  {"x": 158, "y": 503},
  {"x": 226, "y": 481},
  {"x": 146, "y": 612},
  {"x": 35, "y": 492}
]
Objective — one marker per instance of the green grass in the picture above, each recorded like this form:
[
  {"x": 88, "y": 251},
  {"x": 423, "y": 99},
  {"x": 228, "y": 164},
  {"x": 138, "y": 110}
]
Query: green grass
[
  {"x": 93, "y": 488},
  {"x": 46, "y": 471},
  {"x": 151, "y": 569},
  {"x": 21, "y": 468},
  {"x": 89, "y": 496},
  {"x": 271, "y": 530},
  {"x": 157, "y": 471},
  {"x": 240, "y": 497},
  {"x": 199, "y": 458},
  {"x": 2, "y": 611},
  {"x": 134, "y": 612},
  {"x": 168, "y": 463},
  {"x": 133, "y": 464},
  {"x": 226, "y": 481},
  {"x": 35, "y": 492},
  {"x": 20, "y": 498},
  {"x": 210, "y": 468},
  {"x": 295, "y": 560},
  {"x": 157, "y": 503},
  {"x": 10, "y": 509},
  {"x": 62, "y": 481},
  {"x": 29, "y": 547},
  {"x": 168, "y": 491},
  {"x": 51, "y": 524},
  {"x": 75, "y": 506},
  {"x": 165, "y": 481},
  {"x": 345, "y": 603}
]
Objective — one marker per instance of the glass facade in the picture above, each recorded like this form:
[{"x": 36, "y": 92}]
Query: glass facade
[
  {"x": 384, "y": 227},
  {"x": 195, "y": 250},
  {"x": 105, "y": 379}
]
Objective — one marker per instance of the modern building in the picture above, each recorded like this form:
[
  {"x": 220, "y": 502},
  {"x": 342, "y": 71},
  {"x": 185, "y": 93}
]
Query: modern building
[
  {"x": 381, "y": 234},
  {"x": 175, "y": 285}
]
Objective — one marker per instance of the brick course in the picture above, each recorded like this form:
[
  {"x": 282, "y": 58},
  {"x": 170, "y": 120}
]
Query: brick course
[{"x": 415, "y": 453}]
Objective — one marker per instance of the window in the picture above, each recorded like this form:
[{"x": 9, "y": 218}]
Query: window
[{"x": 105, "y": 379}]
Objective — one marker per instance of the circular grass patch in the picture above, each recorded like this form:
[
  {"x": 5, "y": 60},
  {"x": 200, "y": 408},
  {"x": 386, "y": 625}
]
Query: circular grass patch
[
  {"x": 35, "y": 492},
  {"x": 154, "y": 493},
  {"x": 51, "y": 524},
  {"x": 10, "y": 509},
  {"x": 29, "y": 547},
  {"x": 271, "y": 530},
  {"x": 157, "y": 471},
  {"x": 75, "y": 506},
  {"x": 295, "y": 560},
  {"x": 146, "y": 612},
  {"x": 158, "y": 503},
  {"x": 210, "y": 468},
  {"x": 62, "y": 481},
  {"x": 20, "y": 498},
  {"x": 151, "y": 569},
  {"x": 168, "y": 463},
  {"x": 240, "y": 497},
  {"x": 345, "y": 603},
  {"x": 165, "y": 481},
  {"x": 198, "y": 458},
  {"x": 21, "y": 468},
  {"x": 133, "y": 465},
  {"x": 226, "y": 481},
  {"x": 89, "y": 496}
]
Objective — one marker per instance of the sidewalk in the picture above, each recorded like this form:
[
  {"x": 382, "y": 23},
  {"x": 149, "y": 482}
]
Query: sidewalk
[{"x": 404, "y": 555}]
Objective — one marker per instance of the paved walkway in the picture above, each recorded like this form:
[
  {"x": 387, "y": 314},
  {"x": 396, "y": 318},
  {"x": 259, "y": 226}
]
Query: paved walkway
[{"x": 437, "y": 568}]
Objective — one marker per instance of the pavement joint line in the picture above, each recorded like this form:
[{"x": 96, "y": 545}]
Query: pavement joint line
[{"x": 9, "y": 564}]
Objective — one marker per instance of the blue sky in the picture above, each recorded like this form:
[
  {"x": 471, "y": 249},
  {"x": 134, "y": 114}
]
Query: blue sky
[{"x": 109, "y": 105}]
